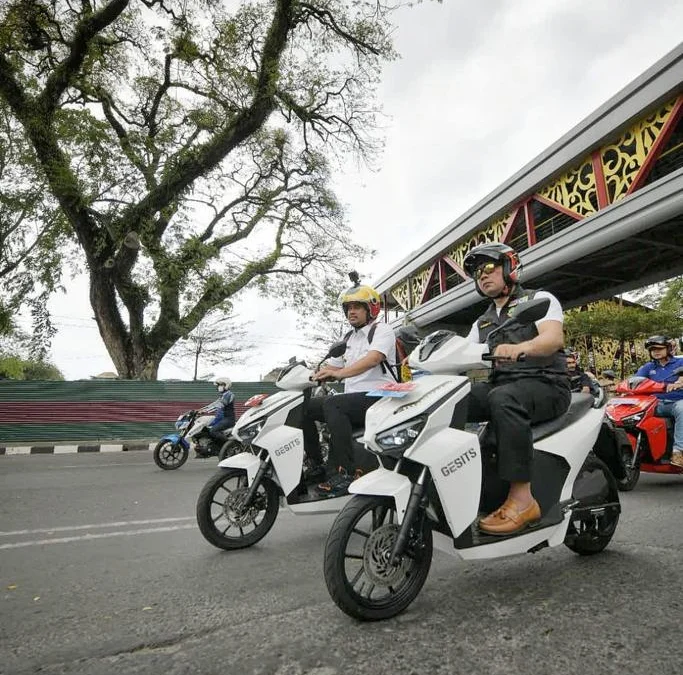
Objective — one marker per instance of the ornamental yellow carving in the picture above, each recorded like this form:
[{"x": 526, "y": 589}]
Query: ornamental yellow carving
[
  {"x": 576, "y": 190},
  {"x": 623, "y": 159},
  {"x": 493, "y": 232},
  {"x": 418, "y": 285},
  {"x": 401, "y": 294}
]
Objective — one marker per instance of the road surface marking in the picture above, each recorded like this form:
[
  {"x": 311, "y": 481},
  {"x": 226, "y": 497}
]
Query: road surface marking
[{"x": 121, "y": 523}]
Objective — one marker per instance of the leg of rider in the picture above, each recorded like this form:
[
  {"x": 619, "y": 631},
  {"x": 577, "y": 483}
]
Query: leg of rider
[
  {"x": 342, "y": 413},
  {"x": 515, "y": 406},
  {"x": 313, "y": 412},
  {"x": 673, "y": 409},
  {"x": 216, "y": 430}
]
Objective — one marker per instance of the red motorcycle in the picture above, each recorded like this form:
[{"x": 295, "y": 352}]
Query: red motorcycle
[{"x": 650, "y": 437}]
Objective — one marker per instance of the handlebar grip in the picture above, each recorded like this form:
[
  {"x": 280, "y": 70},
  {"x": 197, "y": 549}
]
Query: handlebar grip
[{"x": 491, "y": 357}]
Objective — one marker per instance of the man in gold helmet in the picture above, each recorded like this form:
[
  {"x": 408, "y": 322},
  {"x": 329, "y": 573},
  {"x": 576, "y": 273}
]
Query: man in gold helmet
[{"x": 369, "y": 347}]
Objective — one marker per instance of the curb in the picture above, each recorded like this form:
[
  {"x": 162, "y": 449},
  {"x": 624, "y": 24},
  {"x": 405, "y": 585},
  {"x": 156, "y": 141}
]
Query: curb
[{"x": 73, "y": 449}]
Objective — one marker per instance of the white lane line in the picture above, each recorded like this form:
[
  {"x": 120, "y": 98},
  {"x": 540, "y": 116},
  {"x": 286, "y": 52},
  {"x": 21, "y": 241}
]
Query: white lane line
[
  {"x": 95, "y": 466},
  {"x": 102, "y": 535},
  {"x": 121, "y": 523}
]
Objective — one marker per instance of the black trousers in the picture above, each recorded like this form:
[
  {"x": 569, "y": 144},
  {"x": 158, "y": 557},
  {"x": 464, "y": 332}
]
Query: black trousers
[
  {"x": 342, "y": 413},
  {"x": 511, "y": 407}
]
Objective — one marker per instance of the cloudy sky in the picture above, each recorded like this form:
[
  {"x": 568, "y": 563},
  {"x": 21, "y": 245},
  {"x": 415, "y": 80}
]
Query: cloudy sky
[{"x": 480, "y": 89}]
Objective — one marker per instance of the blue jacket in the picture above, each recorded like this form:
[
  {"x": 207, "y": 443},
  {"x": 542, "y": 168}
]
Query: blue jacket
[
  {"x": 227, "y": 410},
  {"x": 658, "y": 373}
]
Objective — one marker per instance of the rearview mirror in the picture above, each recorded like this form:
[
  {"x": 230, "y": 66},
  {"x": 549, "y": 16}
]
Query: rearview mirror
[
  {"x": 609, "y": 374},
  {"x": 533, "y": 310},
  {"x": 337, "y": 349},
  {"x": 678, "y": 371},
  {"x": 526, "y": 312}
]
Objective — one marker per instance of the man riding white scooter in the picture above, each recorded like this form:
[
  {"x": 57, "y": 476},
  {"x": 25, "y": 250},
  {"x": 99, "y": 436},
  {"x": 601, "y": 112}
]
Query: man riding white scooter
[
  {"x": 528, "y": 383},
  {"x": 370, "y": 347}
]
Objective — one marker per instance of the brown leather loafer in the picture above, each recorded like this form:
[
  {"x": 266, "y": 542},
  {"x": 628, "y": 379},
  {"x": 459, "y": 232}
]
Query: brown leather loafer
[{"x": 508, "y": 520}]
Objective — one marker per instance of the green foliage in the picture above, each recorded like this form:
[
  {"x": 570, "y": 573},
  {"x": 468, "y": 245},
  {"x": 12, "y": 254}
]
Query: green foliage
[
  {"x": 212, "y": 144},
  {"x": 607, "y": 319},
  {"x": 16, "y": 368}
]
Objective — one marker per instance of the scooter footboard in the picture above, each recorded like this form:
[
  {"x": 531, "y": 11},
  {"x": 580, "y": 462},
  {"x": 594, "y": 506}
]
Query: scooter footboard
[
  {"x": 244, "y": 460},
  {"x": 384, "y": 483}
]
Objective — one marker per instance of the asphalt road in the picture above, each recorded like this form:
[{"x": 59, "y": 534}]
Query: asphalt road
[{"x": 103, "y": 570}]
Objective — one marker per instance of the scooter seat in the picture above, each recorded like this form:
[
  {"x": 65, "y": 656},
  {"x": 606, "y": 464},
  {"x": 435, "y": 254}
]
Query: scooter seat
[{"x": 579, "y": 406}]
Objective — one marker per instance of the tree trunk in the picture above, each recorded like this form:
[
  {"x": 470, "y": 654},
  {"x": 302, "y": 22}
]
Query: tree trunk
[{"x": 132, "y": 356}]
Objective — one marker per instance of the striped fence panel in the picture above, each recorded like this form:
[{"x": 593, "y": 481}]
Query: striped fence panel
[{"x": 96, "y": 411}]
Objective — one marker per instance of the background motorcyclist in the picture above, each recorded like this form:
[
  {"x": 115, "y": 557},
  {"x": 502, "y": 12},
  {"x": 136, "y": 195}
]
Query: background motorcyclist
[
  {"x": 361, "y": 369},
  {"x": 579, "y": 379},
  {"x": 225, "y": 415},
  {"x": 661, "y": 368},
  {"x": 518, "y": 393}
]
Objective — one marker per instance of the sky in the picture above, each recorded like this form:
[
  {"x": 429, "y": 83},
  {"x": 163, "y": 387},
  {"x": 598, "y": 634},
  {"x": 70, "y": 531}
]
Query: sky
[{"x": 480, "y": 89}]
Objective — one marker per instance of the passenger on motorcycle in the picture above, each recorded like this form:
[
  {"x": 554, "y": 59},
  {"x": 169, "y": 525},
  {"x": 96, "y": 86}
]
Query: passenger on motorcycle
[
  {"x": 362, "y": 369},
  {"x": 579, "y": 380},
  {"x": 225, "y": 416},
  {"x": 518, "y": 393},
  {"x": 661, "y": 368}
]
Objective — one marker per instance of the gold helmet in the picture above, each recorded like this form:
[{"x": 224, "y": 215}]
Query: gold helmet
[{"x": 365, "y": 295}]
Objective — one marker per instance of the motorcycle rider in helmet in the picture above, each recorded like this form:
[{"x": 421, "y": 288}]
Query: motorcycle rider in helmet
[
  {"x": 518, "y": 393},
  {"x": 661, "y": 368},
  {"x": 362, "y": 367},
  {"x": 225, "y": 416},
  {"x": 579, "y": 380}
]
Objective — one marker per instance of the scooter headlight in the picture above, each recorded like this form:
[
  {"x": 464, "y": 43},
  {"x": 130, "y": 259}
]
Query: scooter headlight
[
  {"x": 398, "y": 439},
  {"x": 251, "y": 431},
  {"x": 632, "y": 420}
]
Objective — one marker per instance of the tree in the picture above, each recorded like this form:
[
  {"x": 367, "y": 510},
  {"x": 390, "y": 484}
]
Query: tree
[
  {"x": 187, "y": 148},
  {"x": 613, "y": 321},
  {"x": 217, "y": 341}
]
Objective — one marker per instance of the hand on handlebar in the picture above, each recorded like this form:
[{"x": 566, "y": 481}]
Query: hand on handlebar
[
  {"x": 507, "y": 353},
  {"x": 326, "y": 374}
]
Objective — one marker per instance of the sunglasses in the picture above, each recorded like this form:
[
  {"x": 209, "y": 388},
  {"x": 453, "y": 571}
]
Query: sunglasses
[{"x": 486, "y": 268}]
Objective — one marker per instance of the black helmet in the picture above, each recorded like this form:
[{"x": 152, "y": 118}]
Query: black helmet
[
  {"x": 500, "y": 253},
  {"x": 660, "y": 341}
]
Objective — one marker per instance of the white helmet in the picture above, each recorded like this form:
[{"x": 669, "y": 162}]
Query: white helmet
[{"x": 224, "y": 382}]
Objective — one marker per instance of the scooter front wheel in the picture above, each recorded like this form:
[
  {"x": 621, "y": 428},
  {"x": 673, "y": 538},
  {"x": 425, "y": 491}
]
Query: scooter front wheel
[
  {"x": 632, "y": 476},
  {"x": 169, "y": 455},
  {"x": 358, "y": 574},
  {"x": 224, "y": 519}
]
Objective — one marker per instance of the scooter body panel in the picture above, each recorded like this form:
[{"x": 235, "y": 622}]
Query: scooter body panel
[
  {"x": 384, "y": 483},
  {"x": 243, "y": 460}
]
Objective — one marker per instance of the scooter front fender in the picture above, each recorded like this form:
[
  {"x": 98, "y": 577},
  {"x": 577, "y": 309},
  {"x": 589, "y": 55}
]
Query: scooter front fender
[
  {"x": 176, "y": 438},
  {"x": 384, "y": 483},
  {"x": 245, "y": 461}
]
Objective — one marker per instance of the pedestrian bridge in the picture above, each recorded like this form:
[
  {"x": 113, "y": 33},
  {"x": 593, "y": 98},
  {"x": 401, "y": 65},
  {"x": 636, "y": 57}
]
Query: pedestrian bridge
[{"x": 598, "y": 213}]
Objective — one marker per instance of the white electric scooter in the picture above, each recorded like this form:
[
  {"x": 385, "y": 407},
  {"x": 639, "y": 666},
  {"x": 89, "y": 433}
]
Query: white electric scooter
[
  {"x": 429, "y": 490},
  {"x": 239, "y": 504}
]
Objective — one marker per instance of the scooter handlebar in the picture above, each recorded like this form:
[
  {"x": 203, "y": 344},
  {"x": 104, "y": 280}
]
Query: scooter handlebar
[{"x": 492, "y": 357}]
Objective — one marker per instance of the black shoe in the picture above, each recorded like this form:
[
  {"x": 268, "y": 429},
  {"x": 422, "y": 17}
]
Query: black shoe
[
  {"x": 314, "y": 474},
  {"x": 337, "y": 485}
]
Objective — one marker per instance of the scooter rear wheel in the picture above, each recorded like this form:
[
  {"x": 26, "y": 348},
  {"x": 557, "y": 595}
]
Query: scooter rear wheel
[
  {"x": 169, "y": 455},
  {"x": 229, "y": 448},
  {"x": 358, "y": 574},
  {"x": 595, "y": 518},
  {"x": 222, "y": 518}
]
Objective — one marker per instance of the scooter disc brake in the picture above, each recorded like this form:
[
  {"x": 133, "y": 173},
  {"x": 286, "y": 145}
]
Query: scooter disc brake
[
  {"x": 234, "y": 510},
  {"x": 376, "y": 556}
]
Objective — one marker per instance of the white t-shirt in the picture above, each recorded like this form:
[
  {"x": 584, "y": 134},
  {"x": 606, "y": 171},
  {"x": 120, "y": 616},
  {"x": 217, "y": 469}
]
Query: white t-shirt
[
  {"x": 357, "y": 346},
  {"x": 554, "y": 313}
]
